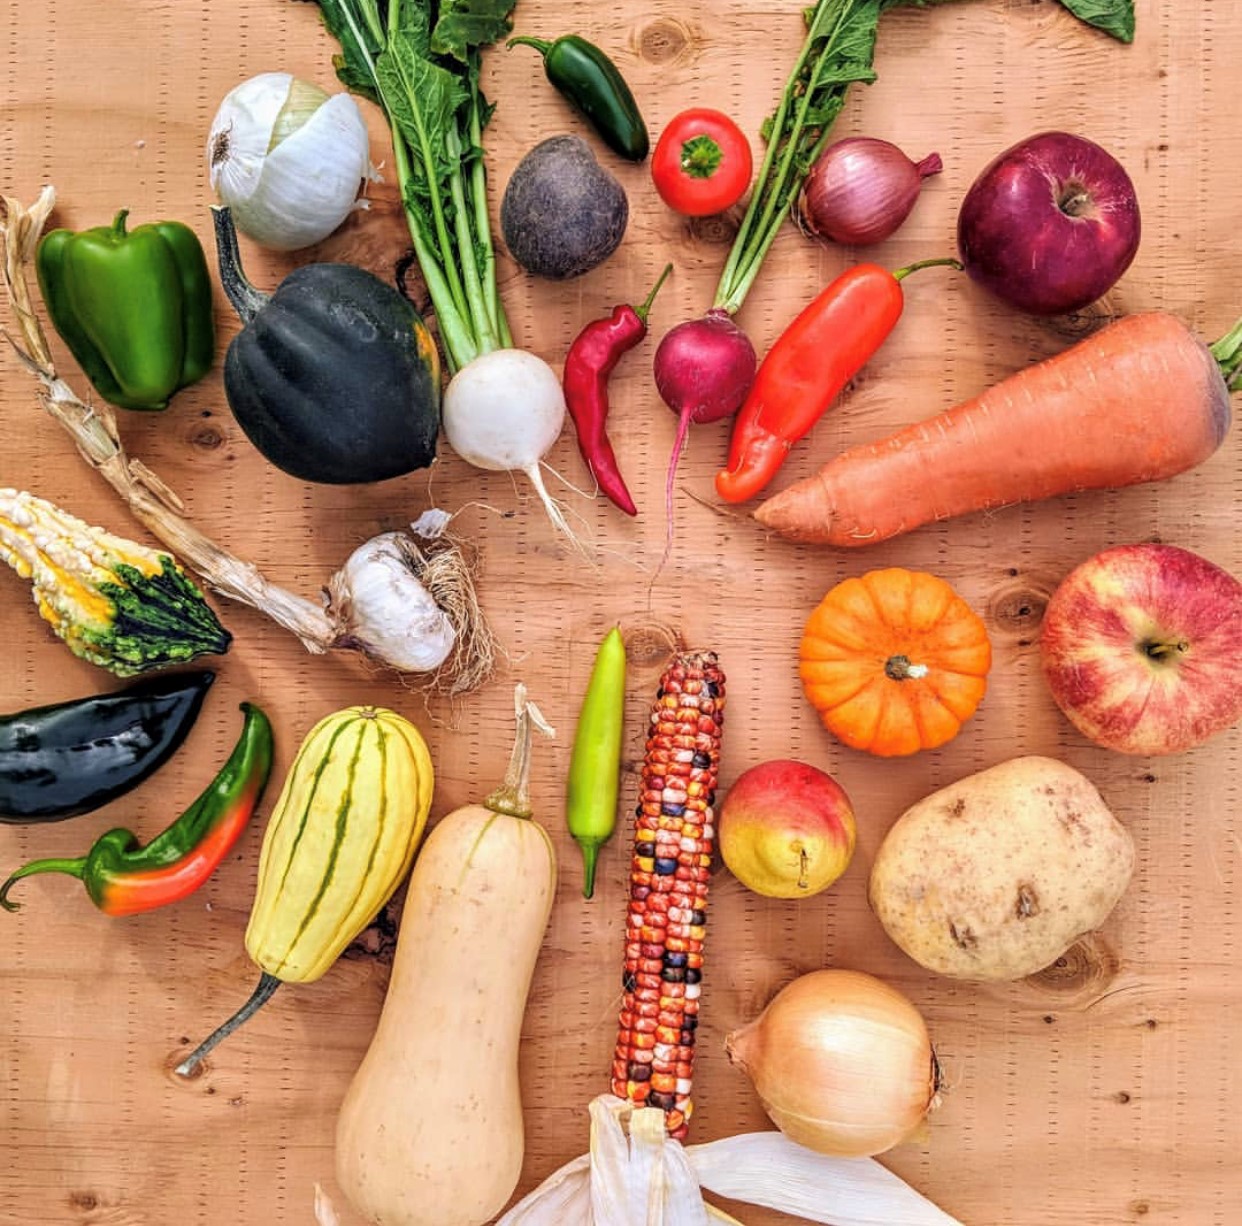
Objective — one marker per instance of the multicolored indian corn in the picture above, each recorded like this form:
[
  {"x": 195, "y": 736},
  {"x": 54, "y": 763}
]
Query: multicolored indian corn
[{"x": 664, "y": 927}]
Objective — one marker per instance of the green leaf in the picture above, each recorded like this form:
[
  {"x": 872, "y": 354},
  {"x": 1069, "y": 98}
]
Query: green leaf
[
  {"x": 1115, "y": 17},
  {"x": 347, "y": 22},
  {"x": 421, "y": 98},
  {"x": 464, "y": 25}
]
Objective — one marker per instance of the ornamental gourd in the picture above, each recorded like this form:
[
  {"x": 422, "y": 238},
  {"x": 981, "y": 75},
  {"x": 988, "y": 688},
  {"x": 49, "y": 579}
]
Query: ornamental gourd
[
  {"x": 894, "y": 661},
  {"x": 340, "y": 840},
  {"x": 334, "y": 377}
]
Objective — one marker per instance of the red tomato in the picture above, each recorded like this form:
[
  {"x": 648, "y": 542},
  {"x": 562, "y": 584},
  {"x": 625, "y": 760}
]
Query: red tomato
[{"x": 701, "y": 164}]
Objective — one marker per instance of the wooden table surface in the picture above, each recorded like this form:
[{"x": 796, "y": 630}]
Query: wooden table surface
[{"x": 1101, "y": 1092}]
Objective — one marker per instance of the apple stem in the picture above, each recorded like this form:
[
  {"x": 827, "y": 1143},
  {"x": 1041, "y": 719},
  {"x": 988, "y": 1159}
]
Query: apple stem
[
  {"x": 804, "y": 876},
  {"x": 1075, "y": 202},
  {"x": 1163, "y": 649}
]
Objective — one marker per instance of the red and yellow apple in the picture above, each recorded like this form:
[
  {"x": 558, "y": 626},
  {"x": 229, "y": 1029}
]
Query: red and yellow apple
[
  {"x": 786, "y": 829},
  {"x": 1142, "y": 648}
]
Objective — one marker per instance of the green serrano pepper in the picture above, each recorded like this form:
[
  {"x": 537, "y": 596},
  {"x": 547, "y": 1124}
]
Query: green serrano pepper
[
  {"x": 595, "y": 766},
  {"x": 593, "y": 83}
]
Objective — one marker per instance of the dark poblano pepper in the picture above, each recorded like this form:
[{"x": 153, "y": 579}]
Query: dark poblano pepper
[
  {"x": 74, "y": 757},
  {"x": 123, "y": 877},
  {"x": 134, "y": 307},
  {"x": 594, "y": 84}
]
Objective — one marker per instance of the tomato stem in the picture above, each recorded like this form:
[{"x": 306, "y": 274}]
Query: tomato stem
[{"x": 701, "y": 157}]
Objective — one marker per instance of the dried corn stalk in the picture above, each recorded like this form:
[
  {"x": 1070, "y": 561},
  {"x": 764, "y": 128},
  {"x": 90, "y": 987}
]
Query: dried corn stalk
[{"x": 440, "y": 564}]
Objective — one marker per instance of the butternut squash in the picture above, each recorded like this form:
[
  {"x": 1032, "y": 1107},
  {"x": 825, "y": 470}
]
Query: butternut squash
[{"x": 430, "y": 1132}]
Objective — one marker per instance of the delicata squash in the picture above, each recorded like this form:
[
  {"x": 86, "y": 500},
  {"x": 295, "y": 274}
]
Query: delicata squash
[{"x": 340, "y": 840}]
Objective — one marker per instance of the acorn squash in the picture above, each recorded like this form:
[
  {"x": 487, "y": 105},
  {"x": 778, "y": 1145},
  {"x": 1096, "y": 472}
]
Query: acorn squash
[{"x": 335, "y": 377}]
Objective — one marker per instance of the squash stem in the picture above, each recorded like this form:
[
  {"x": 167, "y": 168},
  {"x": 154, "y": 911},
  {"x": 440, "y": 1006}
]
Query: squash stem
[
  {"x": 258, "y": 998},
  {"x": 245, "y": 299},
  {"x": 513, "y": 796}
]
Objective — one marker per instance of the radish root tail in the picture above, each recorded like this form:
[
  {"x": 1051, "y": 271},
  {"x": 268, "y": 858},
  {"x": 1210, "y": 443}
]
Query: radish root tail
[{"x": 554, "y": 511}]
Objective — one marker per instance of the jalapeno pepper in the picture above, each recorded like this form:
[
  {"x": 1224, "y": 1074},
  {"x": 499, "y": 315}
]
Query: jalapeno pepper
[
  {"x": 595, "y": 765},
  {"x": 124, "y": 878},
  {"x": 592, "y": 82},
  {"x": 814, "y": 358},
  {"x": 590, "y": 361},
  {"x": 134, "y": 307},
  {"x": 73, "y": 757}
]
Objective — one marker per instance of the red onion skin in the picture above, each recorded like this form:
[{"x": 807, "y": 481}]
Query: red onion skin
[{"x": 861, "y": 190}]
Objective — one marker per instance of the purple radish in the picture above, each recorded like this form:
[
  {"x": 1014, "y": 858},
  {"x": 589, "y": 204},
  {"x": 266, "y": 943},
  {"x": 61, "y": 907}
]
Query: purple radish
[{"x": 703, "y": 370}]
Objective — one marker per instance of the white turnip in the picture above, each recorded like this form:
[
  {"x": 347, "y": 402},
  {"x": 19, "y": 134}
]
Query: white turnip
[{"x": 503, "y": 412}]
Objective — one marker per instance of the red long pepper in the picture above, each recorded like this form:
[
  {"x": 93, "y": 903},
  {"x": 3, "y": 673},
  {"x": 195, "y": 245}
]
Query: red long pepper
[
  {"x": 590, "y": 361},
  {"x": 803, "y": 373}
]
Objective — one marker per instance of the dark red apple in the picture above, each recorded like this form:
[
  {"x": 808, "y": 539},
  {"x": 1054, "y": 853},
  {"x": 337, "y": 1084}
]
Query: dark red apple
[
  {"x": 1050, "y": 224},
  {"x": 1142, "y": 648}
]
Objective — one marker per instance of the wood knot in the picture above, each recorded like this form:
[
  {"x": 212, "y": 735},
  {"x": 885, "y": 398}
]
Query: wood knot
[
  {"x": 378, "y": 940},
  {"x": 1083, "y": 971},
  {"x": 1081, "y": 323},
  {"x": 652, "y": 645},
  {"x": 665, "y": 41},
  {"x": 1018, "y": 608},
  {"x": 206, "y": 438},
  {"x": 719, "y": 229},
  {"x": 86, "y": 1201}
]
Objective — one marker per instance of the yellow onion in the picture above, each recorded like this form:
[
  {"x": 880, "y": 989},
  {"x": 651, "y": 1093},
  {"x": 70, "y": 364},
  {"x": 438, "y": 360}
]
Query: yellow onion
[{"x": 842, "y": 1062}]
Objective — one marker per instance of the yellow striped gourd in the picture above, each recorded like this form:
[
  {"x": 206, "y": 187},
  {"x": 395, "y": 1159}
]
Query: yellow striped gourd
[{"x": 340, "y": 840}]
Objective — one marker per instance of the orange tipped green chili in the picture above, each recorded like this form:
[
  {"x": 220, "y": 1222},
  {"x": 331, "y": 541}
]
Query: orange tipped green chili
[
  {"x": 124, "y": 878},
  {"x": 595, "y": 765}
]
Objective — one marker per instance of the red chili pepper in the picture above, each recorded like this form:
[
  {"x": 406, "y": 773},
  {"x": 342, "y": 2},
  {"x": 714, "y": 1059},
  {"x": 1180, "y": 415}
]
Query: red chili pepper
[
  {"x": 123, "y": 878},
  {"x": 591, "y": 359},
  {"x": 815, "y": 357}
]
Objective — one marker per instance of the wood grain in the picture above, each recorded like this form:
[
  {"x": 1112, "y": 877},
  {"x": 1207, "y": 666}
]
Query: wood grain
[{"x": 1097, "y": 1094}]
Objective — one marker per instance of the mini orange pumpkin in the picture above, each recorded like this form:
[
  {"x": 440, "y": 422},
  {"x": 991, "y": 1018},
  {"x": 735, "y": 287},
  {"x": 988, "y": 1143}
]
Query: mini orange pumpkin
[{"x": 894, "y": 662}]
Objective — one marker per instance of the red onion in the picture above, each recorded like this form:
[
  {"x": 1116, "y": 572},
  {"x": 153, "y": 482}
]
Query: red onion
[{"x": 862, "y": 189}]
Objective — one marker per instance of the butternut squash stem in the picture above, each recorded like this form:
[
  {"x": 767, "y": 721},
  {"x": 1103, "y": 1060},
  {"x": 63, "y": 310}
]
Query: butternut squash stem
[
  {"x": 258, "y": 998},
  {"x": 513, "y": 796}
]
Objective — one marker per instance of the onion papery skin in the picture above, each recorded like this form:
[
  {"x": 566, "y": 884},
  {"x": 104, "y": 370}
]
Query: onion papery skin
[
  {"x": 842, "y": 1063},
  {"x": 862, "y": 190}
]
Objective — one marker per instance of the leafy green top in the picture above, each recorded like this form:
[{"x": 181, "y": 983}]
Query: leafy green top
[
  {"x": 419, "y": 60},
  {"x": 839, "y": 50}
]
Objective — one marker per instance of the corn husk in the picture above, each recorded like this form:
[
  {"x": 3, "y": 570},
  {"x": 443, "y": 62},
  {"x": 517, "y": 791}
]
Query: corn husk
[{"x": 644, "y": 1179}]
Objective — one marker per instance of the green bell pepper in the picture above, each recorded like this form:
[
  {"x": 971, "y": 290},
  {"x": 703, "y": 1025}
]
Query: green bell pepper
[{"x": 134, "y": 307}]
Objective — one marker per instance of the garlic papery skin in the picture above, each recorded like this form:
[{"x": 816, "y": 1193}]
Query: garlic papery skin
[
  {"x": 378, "y": 604},
  {"x": 288, "y": 159}
]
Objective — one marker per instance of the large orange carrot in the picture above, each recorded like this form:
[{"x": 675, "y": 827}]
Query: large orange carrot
[{"x": 1141, "y": 400}]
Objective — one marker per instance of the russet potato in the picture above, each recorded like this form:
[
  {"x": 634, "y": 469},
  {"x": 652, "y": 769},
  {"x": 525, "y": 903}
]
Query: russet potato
[{"x": 996, "y": 875}]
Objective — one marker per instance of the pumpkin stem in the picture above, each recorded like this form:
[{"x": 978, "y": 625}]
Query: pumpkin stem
[
  {"x": 246, "y": 300},
  {"x": 899, "y": 668},
  {"x": 513, "y": 796}
]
